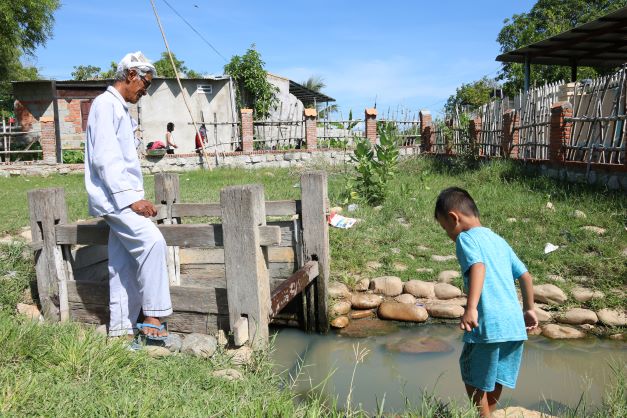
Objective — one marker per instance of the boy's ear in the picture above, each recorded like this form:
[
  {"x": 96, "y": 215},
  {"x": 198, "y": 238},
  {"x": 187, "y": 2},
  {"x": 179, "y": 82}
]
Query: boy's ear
[{"x": 454, "y": 217}]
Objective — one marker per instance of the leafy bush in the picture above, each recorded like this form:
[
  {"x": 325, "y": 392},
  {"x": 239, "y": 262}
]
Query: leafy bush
[
  {"x": 375, "y": 165},
  {"x": 73, "y": 157}
]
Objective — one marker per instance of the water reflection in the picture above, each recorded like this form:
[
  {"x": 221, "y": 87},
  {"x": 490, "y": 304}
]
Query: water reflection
[{"x": 553, "y": 372}]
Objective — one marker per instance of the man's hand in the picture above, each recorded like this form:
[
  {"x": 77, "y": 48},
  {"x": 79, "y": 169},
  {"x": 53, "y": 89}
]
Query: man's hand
[
  {"x": 469, "y": 320},
  {"x": 144, "y": 208},
  {"x": 531, "y": 319}
]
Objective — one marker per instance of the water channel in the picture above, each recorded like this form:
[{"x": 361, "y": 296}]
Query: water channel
[{"x": 553, "y": 372}]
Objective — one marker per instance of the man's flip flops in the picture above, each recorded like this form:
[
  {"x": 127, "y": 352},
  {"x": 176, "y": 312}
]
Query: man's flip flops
[{"x": 141, "y": 326}]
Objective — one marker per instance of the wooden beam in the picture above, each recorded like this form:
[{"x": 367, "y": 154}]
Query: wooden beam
[
  {"x": 188, "y": 235},
  {"x": 273, "y": 208},
  {"x": 293, "y": 286}
]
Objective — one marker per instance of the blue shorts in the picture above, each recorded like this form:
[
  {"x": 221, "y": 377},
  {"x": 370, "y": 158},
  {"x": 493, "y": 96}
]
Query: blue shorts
[{"x": 484, "y": 365}]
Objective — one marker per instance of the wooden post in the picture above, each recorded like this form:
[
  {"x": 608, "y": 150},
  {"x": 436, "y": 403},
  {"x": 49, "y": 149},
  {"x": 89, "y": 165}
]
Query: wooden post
[
  {"x": 247, "y": 279},
  {"x": 313, "y": 187},
  {"x": 167, "y": 193},
  {"x": 47, "y": 209}
]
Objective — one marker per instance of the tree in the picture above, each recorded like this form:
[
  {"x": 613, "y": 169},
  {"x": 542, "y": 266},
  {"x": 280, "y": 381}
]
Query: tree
[
  {"x": 545, "y": 19},
  {"x": 471, "y": 96},
  {"x": 251, "y": 80},
  {"x": 86, "y": 72},
  {"x": 24, "y": 25},
  {"x": 164, "y": 67},
  {"x": 316, "y": 83}
]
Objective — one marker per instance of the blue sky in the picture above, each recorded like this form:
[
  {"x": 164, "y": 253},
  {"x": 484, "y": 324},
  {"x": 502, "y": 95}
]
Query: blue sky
[{"x": 408, "y": 54}]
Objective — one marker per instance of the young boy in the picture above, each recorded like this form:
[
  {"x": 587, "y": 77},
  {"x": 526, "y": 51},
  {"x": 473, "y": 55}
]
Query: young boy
[{"x": 494, "y": 325}]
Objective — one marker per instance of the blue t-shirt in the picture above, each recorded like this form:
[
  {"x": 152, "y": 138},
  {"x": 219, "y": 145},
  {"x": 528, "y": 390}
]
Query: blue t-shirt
[{"x": 500, "y": 315}]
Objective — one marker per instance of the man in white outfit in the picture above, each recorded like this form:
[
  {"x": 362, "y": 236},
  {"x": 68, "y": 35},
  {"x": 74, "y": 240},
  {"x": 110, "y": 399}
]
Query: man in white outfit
[{"x": 138, "y": 278}]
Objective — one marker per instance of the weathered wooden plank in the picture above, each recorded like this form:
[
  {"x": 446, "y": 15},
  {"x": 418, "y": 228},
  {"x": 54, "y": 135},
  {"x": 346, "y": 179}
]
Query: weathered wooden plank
[
  {"x": 177, "y": 235},
  {"x": 184, "y": 298},
  {"x": 167, "y": 192},
  {"x": 202, "y": 271},
  {"x": 293, "y": 286},
  {"x": 273, "y": 208},
  {"x": 89, "y": 255},
  {"x": 47, "y": 208},
  {"x": 248, "y": 286},
  {"x": 95, "y": 273},
  {"x": 313, "y": 187},
  {"x": 216, "y": 255}
]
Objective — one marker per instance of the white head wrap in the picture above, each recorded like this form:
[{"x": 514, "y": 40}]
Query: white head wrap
[{"x": 138, "y": 61}]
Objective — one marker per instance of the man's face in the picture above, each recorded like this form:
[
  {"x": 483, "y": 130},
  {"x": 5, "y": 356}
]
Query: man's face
[{"x": 138, "y": 85}]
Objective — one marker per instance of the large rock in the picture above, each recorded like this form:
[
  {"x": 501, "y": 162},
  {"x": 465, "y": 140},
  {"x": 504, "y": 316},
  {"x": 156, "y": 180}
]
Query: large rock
[
  {"x": 519, "y": 412},
  {"x": 446, "y": 291},
  {"x": 387, "y": 285},
  {"x": 340, "y": 322},
  {"x": 577, "y": 316},
  {"x": 361, "y": 314},
  {"x": 156, "y": 351},
  {"x": 583, "y": 294},
  {"x": 445, "y": 310},
  {"x": 612, "y": 317},
  {"x": 227, "y": 374},
  {"x": 174, "y": 342},
  {"x": 595, "y": 229},
  {"x": 241, "y": 355},
  {"x": 402, "y": 312},
  {"x": 418, "y": 345},
  {"x": 443, "y": 258},
  {"x": 362, "y": 285},
  {"x": 543, "y": 316},
  {"x": 549, "y": 293},
  {"x": 366, "y": 301},
  {"x": 339, "y": 308},
  {"x": 558, "y": 332},
  {"x": 447, "y": 276},
  {"x": 199, "y": 345},
  {"x": 368, "y": 328},
  {"x": 337, "y": 290},
  {"x": 405, "y": 298},
  {"x": 30, "y": 311},
  {"x": 420, "y": 289}
]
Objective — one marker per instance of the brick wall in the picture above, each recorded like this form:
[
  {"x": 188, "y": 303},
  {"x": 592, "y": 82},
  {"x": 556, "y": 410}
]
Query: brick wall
[
  {"x": 247, "y": 129},
  {"x": 371, "y": 125},
  {"x": 311, "y": 128}
]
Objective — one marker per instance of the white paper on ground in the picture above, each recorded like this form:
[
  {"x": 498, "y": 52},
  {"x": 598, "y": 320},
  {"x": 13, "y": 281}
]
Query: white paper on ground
[{"x": 549, "y": 248}]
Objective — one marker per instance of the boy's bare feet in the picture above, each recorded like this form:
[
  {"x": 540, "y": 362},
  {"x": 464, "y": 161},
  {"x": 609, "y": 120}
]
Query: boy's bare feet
[{"x": 153, "y": 331}]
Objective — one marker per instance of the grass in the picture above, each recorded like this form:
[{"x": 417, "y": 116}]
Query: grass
[{"x": 67, "y": 370}]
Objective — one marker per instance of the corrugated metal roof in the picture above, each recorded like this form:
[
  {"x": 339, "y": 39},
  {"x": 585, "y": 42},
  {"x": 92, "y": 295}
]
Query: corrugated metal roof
[{"x": 600, "y": 43}]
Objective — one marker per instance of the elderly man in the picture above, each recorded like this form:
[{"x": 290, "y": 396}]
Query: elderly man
[{"x": 138, "y": 278}]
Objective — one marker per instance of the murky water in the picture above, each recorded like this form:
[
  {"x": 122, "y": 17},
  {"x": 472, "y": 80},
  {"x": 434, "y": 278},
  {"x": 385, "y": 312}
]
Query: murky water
[{"x": 555, "y": 372}]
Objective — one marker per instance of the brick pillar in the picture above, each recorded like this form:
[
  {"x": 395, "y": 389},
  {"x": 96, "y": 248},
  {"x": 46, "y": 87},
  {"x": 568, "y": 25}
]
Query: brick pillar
[
  {"x": 371, "y": 125},
  {"x": 48, "y": 139},
  {"x": 247, "y": 129},
  {"x": 427, "y": 134},
  {"x": 475, "y": 134},
  {"x": 311, "y": 128},
  {"x": 560, "y": 130},
  {"x": 511, "y": 134}
]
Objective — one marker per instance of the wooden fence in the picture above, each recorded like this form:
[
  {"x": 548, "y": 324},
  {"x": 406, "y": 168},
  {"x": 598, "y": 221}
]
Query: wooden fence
[{"x": 236, "y": 275}]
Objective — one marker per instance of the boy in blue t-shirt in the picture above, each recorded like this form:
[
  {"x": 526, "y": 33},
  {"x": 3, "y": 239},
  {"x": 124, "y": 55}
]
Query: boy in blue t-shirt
[{"x": 495, "y": 326}]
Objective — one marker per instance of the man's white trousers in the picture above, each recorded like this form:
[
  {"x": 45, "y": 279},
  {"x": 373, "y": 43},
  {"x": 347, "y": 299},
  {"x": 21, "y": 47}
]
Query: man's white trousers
[{"x": 138, "y": 273}]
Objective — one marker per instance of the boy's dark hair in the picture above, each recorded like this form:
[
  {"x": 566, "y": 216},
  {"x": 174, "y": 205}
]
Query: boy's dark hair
[
  {"x": 455, "y": 198},
  {"x": 170, "y": 127}
]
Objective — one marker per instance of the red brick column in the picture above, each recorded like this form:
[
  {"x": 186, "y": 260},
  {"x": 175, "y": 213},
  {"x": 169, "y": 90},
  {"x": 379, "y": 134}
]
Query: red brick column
[
  {"x": 511, "y": 134},
  {"x": 371, "y": 125},
  {"x": 311, "y": 128},
  {"x": 247, "y": 129},
  {"x": 475, "y": 134},
  {"x": 48, "y": 139},
  {"x": 427, "y": 134},
  {"x": 560, "y": 130}
]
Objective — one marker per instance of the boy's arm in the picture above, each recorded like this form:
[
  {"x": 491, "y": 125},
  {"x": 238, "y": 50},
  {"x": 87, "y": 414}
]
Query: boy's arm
[
  {"x": 476, "y": 276},
  {"x": 526, "y": 289}
]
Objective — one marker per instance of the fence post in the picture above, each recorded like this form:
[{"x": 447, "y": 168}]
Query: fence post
[
  {"x": 247, "y": 129},
  {"x": 47, "y": 209},
  {"x": 167, "y": 193},
  {"x": 474, "y": 129},
  {"x": 48, "y": 139},
  {"x": 448, "y": 140},
  {"x": 247, "y": 280},
  {"x": 371, "y": 125},
  {"x": 511, "y": 134},
  {"x": 560, "y": 131},
  {"x": 311, "y": 128},
  {"x": 427, "y": 134},
  {"x": 313, "y": 186}
]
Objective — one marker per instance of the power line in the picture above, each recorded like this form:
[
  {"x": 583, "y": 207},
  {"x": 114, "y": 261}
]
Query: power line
[{"x": 195, "y": 31}]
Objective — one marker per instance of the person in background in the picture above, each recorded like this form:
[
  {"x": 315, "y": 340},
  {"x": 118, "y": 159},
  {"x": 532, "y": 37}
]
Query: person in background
[
  {"x": 138, "y": 273},
  {"x": 170, "y": 145},
  {"x": 203, "y": 137},
  {"x": 494, "y": 325}
]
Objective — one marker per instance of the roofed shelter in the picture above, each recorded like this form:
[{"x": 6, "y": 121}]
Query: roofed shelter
[{"x": 600, "y": 43}]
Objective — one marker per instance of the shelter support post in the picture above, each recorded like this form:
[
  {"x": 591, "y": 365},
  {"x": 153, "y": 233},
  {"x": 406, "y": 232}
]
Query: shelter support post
[{"x": 167, "y": 193}]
